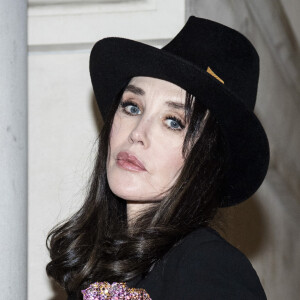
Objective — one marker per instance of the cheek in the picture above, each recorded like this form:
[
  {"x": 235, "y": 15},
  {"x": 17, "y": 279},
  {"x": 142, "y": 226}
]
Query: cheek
[
  {"x": 115, "y": 130},
  {"x": 169, "y": 163},
  {"x": 117, "y": 134},
  {"x": 113, "y": 141},
  {"x": 173, "y": 162}
]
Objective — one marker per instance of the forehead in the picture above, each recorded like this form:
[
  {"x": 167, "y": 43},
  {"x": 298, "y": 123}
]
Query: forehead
[{"x": 165, "y": 88}]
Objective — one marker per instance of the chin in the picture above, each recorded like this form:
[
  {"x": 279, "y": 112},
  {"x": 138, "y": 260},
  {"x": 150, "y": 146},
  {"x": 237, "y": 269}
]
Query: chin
[
  {"x": 131, "y": 187},
  {"x": 133, "y": 195}
]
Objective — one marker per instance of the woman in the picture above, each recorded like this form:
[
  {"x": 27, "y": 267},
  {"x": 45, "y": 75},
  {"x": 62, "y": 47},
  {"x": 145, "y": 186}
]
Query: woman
[{"x": 180, "y": 139}]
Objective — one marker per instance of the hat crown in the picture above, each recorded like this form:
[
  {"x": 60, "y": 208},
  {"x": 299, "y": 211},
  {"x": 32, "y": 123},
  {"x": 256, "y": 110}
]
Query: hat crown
[{"x": 228, "y": 53}]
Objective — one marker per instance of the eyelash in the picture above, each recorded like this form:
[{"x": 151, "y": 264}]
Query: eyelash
[
  {"x": 173, "y": 118},
  {"x": 126, "y": 103}
]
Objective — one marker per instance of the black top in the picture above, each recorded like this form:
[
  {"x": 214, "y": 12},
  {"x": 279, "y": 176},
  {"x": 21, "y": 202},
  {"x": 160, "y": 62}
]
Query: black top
[{"x": 202, "y": 266}]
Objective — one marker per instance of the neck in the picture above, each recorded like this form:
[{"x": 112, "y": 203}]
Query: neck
[{"x": 135, "y": 208}]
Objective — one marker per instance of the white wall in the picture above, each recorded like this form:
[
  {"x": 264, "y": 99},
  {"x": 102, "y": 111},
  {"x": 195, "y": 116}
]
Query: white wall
[{"x": 63, "y": 117}]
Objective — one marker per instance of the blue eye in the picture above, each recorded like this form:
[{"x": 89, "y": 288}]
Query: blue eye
[
  {"x": 174, "y": 123},
  {"x": 133, "y": 109},
  {"x": 130, "y": 108}
]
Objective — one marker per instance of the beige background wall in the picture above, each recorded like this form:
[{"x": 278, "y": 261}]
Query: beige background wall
[
  {"x": 266, "y": 227},
  {"x": 64, "y": 123}
]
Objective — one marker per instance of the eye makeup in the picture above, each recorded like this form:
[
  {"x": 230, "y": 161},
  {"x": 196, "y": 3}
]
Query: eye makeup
[{"x": 172, "y": 122}]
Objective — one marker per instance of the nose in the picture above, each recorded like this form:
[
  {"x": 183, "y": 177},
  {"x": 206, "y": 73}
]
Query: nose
[{"x": 140, "y": 133}]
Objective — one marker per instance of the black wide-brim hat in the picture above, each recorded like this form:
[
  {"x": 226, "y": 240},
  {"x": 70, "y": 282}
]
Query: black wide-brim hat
[{"x": 216, "y": 64}]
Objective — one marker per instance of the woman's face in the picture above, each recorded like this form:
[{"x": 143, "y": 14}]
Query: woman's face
[{"x": 145, "y": 155}]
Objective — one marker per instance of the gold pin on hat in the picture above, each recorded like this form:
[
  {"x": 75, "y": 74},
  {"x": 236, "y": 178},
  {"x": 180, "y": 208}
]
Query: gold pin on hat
[{"x": 211, "y": 72}]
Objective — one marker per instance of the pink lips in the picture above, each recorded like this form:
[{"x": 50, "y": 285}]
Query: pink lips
[{"x": 129, "y": 162}]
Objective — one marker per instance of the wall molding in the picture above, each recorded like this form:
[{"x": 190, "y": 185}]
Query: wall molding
[
  {"x": 82, "y": 47},
  {"x": 57, "y": 8},
  {"x": 55, "y": 2}
]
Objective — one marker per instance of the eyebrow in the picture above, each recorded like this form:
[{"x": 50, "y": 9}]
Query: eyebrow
[
  {"x": 175, "y": 105},
  {"x": 135, "y": 90}
]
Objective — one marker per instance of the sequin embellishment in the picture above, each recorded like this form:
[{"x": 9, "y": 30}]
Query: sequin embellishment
[{"x": 114, "y": 291}]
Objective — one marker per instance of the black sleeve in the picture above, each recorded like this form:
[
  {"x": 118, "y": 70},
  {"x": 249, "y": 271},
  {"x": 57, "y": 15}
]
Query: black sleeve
[{"x": 216, "y": 270}]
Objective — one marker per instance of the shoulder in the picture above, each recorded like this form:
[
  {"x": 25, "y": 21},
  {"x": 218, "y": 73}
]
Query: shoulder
[
  {"x": 206, "y": 247},
  {"x": 207, "y": 265}
]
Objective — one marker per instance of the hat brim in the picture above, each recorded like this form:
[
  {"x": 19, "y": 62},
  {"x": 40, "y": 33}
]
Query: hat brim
[{"x": 114, "y": 61}]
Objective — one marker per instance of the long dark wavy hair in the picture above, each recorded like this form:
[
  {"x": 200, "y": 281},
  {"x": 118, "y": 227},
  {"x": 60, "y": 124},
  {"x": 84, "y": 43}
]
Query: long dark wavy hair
[{"x": 96, "y": 244}]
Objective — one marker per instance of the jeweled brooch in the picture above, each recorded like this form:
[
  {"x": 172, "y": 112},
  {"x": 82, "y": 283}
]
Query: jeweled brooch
[{"x": 114, "y": 291}]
